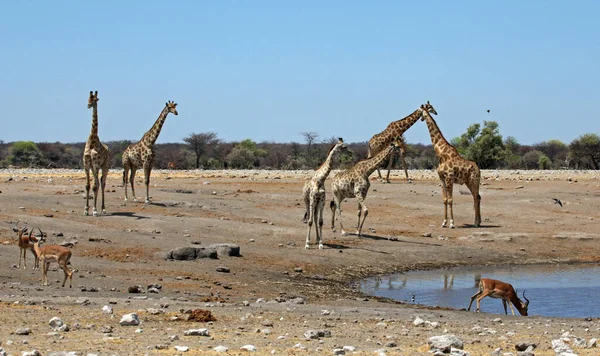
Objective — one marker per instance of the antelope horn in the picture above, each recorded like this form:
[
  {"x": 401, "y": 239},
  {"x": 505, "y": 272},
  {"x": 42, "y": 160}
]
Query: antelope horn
[{"x": 527, "y": 300}]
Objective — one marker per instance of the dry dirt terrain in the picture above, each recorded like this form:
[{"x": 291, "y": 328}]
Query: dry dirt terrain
[{"x": 276, "y": 291}]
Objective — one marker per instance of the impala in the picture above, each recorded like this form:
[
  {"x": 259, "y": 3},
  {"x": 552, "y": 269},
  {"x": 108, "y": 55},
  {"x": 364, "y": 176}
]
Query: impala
[
  {"x": 53, "y": 253},
  {"x": 498, "y": 289},
  {"x": 25, "y": 243}
]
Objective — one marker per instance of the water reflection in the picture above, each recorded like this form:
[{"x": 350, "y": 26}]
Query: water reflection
[{"x": 554, "y": 290}]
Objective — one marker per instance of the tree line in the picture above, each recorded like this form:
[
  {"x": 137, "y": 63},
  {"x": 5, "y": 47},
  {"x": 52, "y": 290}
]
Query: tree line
[{"x": 480, "y": 143}]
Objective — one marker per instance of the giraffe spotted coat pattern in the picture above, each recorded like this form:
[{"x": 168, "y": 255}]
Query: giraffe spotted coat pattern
[
  {"x": 354, "y": 183},
  {"x": 394, "y": 130},
  {"x": 314, "y": 195},
  {"x": 141, "y": 154},
  {"x": 95, "y": 158},
  {"x": 453, "y": 169}
]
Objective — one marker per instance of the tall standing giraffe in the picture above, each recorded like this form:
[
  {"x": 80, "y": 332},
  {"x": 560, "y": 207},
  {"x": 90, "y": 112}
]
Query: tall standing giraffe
[
  {"x": 142, "y": 154},
  {"x": 354, "y": 182},
  {"x": 314, "y": 195},
  {"x": 95, "y": 157},
  {"x": 453, "y": 169},
  {"x": 395, "y": 129}
]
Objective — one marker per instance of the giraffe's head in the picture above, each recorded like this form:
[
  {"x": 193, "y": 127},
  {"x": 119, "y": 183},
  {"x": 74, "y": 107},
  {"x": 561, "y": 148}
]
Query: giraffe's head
[
  {"x": 341, "y": 145},
  {"x": 427, "y": 108},
  {"x": 172, "y": 106},
  {"x": 93, "y": 99}
]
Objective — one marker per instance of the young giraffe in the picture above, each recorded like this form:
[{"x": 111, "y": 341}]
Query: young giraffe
[
  {"x": 453, "y": 169},
  {"x": 354, "y": 182},
  {"x": 314, "y": 195},
  {"x": 95, "y": 157},
  {"x": 142, "y": 154},
  {"x": 395, "y": 129}
]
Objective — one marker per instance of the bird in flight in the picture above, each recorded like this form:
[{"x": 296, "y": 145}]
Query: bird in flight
[
  {"x": 488, "y": 110},
  {"x": 557, "y": 201}
]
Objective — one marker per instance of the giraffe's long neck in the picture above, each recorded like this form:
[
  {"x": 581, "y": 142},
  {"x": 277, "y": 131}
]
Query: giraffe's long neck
[
  {"x": 397, "y": 128},
  {"x": 323, "y": 171},
  {"x": 94, "y": 131},
  {"x": 370, "y": 165},
  {"x": 440, "y": 145},
  {"x": 152, "y": 134}
]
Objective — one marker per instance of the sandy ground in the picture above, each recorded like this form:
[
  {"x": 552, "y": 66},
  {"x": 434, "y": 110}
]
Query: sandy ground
[{"x": 257, "y": 302}]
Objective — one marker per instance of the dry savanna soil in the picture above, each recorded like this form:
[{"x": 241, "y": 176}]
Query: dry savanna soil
[{"x": 276, "y": 290}]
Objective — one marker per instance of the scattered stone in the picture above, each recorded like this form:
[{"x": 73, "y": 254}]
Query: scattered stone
[
  {"x": 524, "y": 346},
  {"x": 182, "y": 348},
  {"x": 220, "y": 348},
  {"x": 223, "y": 269},
  {"x": 298, "y": 270},
  {"x": 131, "y": 319},
  {"x": 133, "y": 289},
  {"x": 427, "y": 234},
  {"x": 196, "y": 332},
  {"x": 226, "y": 249},
  {"x": 315, "y": 334},
  {"x": 445, "y": 343},
  {"x": 250, "y": 348},
  {"x": 31, "y": 353},
  {"x": 154, "y": 311},
  {"x": 56, "y": 323},
  {"x": 23, "y": 331},
  {"x": 201, "y": 315},
  {"x": 339, "y": 352},
  {"x": 191, "y": 253}
]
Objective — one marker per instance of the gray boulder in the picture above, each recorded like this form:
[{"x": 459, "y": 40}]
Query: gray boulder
[
  {"x": 191, "y": 253},
  {"x": 226, "y": 249},
  {"x": 445, "y": 343}
]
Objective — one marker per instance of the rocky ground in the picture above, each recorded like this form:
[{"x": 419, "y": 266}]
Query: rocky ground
[{"x": 276, "y": 297}]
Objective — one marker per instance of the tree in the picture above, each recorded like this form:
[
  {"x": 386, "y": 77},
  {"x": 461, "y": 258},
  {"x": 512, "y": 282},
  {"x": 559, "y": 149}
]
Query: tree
[
  {"x": 584, "y": 151},
  {"x": 245, "y": 155},
  {"x": 24, "y": 153},
  {"x": 484, "y": 146},
  {"x": 200, "y": 143},
  {"x": 513, "y": 160},
  {"x": 556, "y": 151}
]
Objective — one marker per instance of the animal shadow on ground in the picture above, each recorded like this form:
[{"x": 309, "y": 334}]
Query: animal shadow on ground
[
  {"x": 129, "y": 214},
  {"x": 471, "y": 226}
]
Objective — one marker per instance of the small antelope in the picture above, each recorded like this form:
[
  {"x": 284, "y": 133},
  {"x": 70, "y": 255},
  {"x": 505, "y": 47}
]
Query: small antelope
[
  {"x": 53, "y": 253},
  {"x": 25, "y": 243},
  {"x": 505, "y": 291}
]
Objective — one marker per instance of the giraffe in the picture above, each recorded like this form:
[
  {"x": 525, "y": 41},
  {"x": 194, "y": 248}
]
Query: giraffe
[
  {"x": 314, "y": 195},
  {"x": 354, "y": 182},
  {"x": 142, "y": 154},
  {"x": 95, "y": 158},
  {"x": 395, "y": 129},
  {"x": 453, "y": 169}
]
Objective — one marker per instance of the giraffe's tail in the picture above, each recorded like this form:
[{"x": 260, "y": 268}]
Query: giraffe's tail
[{"x": 332, "y": 205}]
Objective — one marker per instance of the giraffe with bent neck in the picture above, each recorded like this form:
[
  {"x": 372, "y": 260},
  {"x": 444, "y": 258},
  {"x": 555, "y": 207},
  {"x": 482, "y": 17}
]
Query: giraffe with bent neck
[
  {"x": 395, "y": 129},
  {"x": 354, "y": 183},
  {"x": 141, "y": 154},
  {"x": 453, "y": 169},
  {"x": 314, "y": 195},
  {"x": 95, "y": 158}
]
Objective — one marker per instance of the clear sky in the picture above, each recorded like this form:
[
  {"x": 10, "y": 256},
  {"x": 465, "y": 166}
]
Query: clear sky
[{"x": 269, "y": 70}]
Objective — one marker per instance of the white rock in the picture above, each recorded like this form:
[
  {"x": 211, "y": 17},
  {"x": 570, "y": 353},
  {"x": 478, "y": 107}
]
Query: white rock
[
  {"x": 418, "y": 322},
  {"x": 349, "y": 348},
  {"x": 131, "y": 319},
  {"x": 220, "y": 348},
  {"x": 107, "y": 309},
  {"x": 182, "y": 348},
  {"x": 56, "y": 323},
  {"x": 250, "y": 348},
  {"x": 31, "y": 353},
  {"x": 196, "y": 332}
]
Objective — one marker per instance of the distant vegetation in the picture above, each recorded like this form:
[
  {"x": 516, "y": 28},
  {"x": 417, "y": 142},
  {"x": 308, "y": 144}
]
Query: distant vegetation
[{"x": 482, "y": 144}]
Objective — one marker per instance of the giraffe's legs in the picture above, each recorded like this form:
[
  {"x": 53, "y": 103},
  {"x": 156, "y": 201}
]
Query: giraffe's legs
[
  {"x": 474, "y": 188},
  {"x": 320, "y": 209},
  {"x": 147, "y": 171},
  {"x": 131, "y": 181},
  {"x": 365, "y": 211},
  {"x": 87, "y": 188},
  {"x": 444, "y": 200},
  {"x": 125, "y": 175},
  {"x": 404, "y": 165},
  {"x": 95, "y": 188},
  {"x": 311, "y": 220},
  {"x": 306, "y": 196},
  {"x": 389, "y": 168},
  {"x": 338, "y": 208},
  {"x": 333, "y": 210},
  {"x": 103, "y": 185},
  {"x": 449, "y": 187}
]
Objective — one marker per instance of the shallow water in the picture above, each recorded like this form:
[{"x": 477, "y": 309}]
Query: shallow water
[{"x": 553, "y": 290}]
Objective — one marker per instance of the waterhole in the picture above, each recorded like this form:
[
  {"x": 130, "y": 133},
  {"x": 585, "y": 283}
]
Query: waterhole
[{"x": 553, "y": 290}]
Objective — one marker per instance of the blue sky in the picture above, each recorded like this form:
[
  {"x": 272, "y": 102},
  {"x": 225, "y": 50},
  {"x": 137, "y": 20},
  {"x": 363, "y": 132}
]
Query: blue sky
[{"x": 269, "y": 70}]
